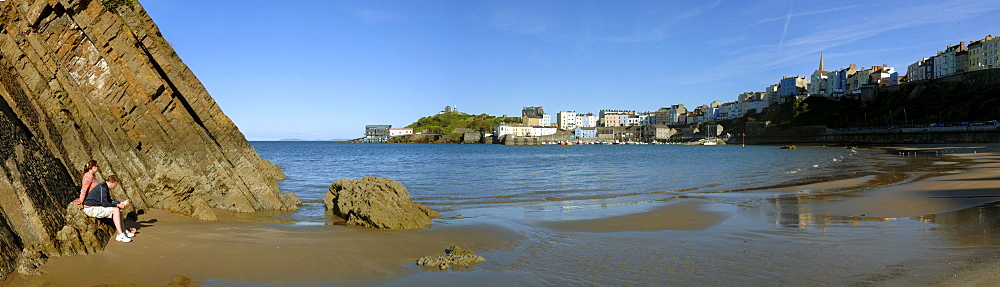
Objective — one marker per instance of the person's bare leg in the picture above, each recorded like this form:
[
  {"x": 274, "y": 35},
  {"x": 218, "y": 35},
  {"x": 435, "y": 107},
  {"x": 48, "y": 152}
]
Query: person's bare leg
[
  {"x": 122, "y": 206},
  {"x": 116, "y": 216}
]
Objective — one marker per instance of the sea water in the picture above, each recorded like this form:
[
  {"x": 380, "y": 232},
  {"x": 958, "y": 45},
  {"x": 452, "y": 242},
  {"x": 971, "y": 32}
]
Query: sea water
[
  {"x": 771, "y": 234},
  {"x": 547, "y": 177}
]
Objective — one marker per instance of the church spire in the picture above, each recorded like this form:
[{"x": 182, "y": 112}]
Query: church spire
[{"x": 821, "y": 61}]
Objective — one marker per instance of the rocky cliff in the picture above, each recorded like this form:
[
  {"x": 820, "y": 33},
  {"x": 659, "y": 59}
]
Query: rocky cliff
[{"x": 89, "y": 79}]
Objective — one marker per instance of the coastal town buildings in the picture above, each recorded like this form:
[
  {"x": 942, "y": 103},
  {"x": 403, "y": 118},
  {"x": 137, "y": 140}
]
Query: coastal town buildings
[
  {"x": 983, "y": 54},
  {"x": 647, "y": 118},
  {"x": 945, "y": 63},
  {"x": 661, "y": 132},
  {"x": 523, "y": 130},
  {"x": 790, "y": 87},
  {"x": 538, "y": 131},
  {"x": 861, "y": 79},
  {"x": 918, "y": 70},
  {"x": 713, "y": 130},
  {"x": 757, "y": 106},
  {"x": 531, "y": 121},
  {"x": 633, "y": 120},
  {"x": 535, "y": 116},
  {"x": 661, "y": 116},
  {"x": 771, "y": 95},
  {"x": 750, "y": 96},
  {"x": 957, "y": 59},
  {"x": 614, "y": 118},
  {"x": 567, "y": 120},
  {"x": 733, "y": 110},
  {"x": 817, "y": 81},
  {"x": 835, "y": 83},
  {"x": 882, "y": 76},
  {"x": 671, "y": 116}
]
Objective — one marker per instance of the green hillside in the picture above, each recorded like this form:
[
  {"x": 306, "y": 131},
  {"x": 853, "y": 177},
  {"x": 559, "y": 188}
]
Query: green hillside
[{"x": 446, "y": 123}]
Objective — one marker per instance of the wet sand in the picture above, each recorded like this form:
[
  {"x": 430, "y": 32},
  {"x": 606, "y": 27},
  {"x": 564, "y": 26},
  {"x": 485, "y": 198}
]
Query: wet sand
[
  {"x": 169, "y": 245},
  {"x": 978, "y": 185},
  {"x": 684, "y": 215},
  {"x": 674, "y": 241}
]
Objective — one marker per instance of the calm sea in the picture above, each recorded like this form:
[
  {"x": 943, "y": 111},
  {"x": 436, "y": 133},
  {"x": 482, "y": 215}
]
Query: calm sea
[
  {"x": 551, "y": 177},
  {"x": 771, "y": 235}
]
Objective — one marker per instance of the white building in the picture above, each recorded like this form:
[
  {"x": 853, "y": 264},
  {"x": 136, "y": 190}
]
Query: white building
[
  {"x": 771, "y": 94},
  {"x": 733, "y": 110},
  {"x": 515, "y": 130},
  {"x": 546, "y": 120},
  {"x": 647, "y": 119},
  {"x": 400, "y": 132},
  {"x": 587, "y": 120},
  {"x": 818, "y": 83},
  {"x": 541, "y": 131},
  {"x": 567, "y": 120},
  {"x": 758, "y": 106},
  {"x": 632, "y": 120}
]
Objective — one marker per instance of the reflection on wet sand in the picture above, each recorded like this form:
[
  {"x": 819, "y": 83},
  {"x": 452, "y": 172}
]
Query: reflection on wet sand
[
  {"x": 683, "y": 215},
  {"x": 972, "y": 227}
]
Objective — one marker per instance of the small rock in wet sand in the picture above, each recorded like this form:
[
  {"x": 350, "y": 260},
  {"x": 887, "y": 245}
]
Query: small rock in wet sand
[{"x": 454, "y": 256}]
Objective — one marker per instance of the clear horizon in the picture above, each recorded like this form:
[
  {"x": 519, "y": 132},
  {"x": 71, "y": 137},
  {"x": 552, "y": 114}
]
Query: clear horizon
[{"x": 320, "y": 70}]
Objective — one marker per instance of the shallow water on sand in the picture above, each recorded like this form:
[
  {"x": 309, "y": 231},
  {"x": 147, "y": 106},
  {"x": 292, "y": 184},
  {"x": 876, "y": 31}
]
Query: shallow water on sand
[
  {"x": 546, "y": 181},
  {"x": 659, "y": 215}
]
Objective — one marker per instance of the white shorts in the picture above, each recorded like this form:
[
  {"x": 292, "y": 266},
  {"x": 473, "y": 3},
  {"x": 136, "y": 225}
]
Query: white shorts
[{"x": 99, "y": 211}]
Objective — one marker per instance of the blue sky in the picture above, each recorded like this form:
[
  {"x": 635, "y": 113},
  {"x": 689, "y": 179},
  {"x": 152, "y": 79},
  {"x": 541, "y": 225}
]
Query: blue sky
[{"x": 324, "y": 69}]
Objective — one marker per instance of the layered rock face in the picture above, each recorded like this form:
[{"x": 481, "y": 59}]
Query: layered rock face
[
  {"x": 81, "y": 81},
  {"x": 377, "y": 203}
]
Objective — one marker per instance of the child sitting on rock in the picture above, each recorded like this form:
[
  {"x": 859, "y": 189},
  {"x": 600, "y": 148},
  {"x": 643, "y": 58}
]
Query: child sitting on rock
[{"x": 98, "y": 204}]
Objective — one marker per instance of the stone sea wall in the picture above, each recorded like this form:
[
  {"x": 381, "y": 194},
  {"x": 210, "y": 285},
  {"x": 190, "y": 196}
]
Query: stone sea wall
[{"x": 81, "y": 81}]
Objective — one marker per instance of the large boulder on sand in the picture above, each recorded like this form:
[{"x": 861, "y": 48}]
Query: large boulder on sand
[{"x": 377, "y": 203}]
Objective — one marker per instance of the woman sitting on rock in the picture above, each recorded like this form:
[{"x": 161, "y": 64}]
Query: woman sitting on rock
[
  {"x": 88, "y": 180},
  {"x": 99, "y": 205}
]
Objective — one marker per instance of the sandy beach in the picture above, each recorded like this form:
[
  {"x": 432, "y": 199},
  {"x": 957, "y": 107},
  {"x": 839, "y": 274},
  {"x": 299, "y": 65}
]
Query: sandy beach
[
  {"x": 177, "y": 250},
  {"x": 169, "y": 245}
]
